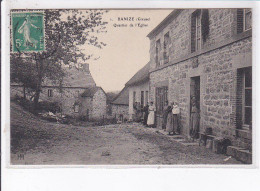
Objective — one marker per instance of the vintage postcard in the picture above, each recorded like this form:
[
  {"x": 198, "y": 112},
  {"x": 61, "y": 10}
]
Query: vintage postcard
[{"x": 169, "y": 86}]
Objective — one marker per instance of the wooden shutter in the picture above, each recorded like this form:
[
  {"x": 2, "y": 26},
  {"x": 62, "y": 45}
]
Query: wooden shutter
[
  {"x": 205, "y": 24},
  {"x": 193, "y": 32},
  {"x": 240, "y": 20}
]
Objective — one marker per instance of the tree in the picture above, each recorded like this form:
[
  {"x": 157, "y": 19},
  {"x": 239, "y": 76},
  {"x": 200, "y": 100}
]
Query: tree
[{"x": 66, "y": 32}]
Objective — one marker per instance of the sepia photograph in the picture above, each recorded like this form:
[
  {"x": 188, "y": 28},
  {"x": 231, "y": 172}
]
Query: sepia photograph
[{"x": 168, "y": 86}]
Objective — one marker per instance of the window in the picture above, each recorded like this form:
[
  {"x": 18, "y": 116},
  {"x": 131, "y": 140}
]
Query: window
[
  {"x": 146, "y": 97},
  {"x": 244, "y": 98},
  {"x": 196, "y": 31},
  {"x": 247, "y": 97},
  {"x": 134, "y": 97},
  {"x": 76, "y": 108},
  {"x": 142, "y": 99},
  {"x": 244, "y": 20},
  {"x": 161, "y": 98},
  {"x": 166, "y": 43},
  {"x": 50, "y": 93},
  {"x": 157, "y": 53},
  {"x": 77, "y": 93}
]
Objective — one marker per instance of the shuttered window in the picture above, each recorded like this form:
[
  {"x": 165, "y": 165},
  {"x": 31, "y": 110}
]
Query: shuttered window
[
  {"x": 134, "y": 97},
  {"x": 244, "y": 98},
  {"x": 161, "y": 98},
  {"x": 50, "y": 93},
  {"x": 142, "y": 99},
  {"x": 244, "y": 20},
  {"x": 158, "y": 50},
  {"x": 196, "y": 31},
  {"x": 146, "y": 97},
  {"x": 166, "y": 43}
]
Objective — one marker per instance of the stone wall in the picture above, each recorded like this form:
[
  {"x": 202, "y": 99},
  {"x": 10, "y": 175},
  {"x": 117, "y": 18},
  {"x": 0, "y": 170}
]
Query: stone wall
[
  {"x": 99, "y": 105},
  {"x": 118, "y": 110},
  {"x": 216, "y": 64},
  {"x": 137, "y": 88},
  {"x": 67, "y": 98},
  {"x": 86, "y": 107}
]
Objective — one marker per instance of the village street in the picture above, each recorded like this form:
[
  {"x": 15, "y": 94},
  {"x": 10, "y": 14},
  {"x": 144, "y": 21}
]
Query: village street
[{"x": 39, "y": 142}]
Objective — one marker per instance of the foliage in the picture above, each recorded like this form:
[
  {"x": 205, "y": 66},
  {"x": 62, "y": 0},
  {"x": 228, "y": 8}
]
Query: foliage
[{"x": 66, "y": 34}]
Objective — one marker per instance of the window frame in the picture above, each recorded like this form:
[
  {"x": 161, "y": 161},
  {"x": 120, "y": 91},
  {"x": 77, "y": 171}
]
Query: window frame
[
  {"x": 157, "y": 52},
  {"x": 244, "y": 88},
  {"x": 76, "y": 106},
  {"x": 134, "y": 97},
  {"x": 50, "y": 92},
  {"x": 198, "y": 36},
  {"x": 142, "y": 99},
  {"x": 161, "y": 98},
  {"x": 166, "y": 52},
  {"x": 244, "y": 20},
  {"x": 146, "y": 97}
]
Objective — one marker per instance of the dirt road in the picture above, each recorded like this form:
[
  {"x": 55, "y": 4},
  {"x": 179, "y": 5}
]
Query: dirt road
[{"x": 36, "y": 142}]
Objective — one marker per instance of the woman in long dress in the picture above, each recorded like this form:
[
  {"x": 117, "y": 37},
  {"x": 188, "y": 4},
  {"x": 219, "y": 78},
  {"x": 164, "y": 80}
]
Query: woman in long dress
[
  {"x": 175, "y": 118},
  {"x": 150, "y": 120},
  {"x": 165, "y": 114},
  {"x": 169, "y": 124},
  {"x": 194, "y": 129}
]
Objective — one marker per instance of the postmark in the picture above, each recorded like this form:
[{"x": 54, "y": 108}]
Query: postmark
[{"x": 28, "y": 31}]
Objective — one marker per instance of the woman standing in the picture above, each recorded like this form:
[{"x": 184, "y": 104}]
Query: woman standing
[
  {"x": 150, "y": 120},
  {"x": 175, "y": 112},
  {"x": 194, "y": 129},
  {"x": 165, "y": 114},
  {"x": 169, "y": 124}
]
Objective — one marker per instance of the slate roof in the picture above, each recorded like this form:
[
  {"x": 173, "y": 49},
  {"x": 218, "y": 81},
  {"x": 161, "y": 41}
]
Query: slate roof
[
  {"x": 90, "y": 91},
  {"x": 122, "y": 98},
  {"x": 164, "y": 23},
  {"x": 141, "y": 76},
  {"x": 80, "y": 78}
]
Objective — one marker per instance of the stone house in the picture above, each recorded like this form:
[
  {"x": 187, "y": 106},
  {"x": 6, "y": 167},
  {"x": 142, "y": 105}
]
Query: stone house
[
  {"x": 68, "y": 95},
  {"x": 92, "y": 103},
  {"x": 120, "y": 105},
  {"x": 138, "y": 87},
  {"x": 206, "y": 53}
]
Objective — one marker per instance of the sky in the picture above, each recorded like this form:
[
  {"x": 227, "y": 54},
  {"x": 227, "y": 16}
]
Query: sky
[{"x": 127, "y": 48}]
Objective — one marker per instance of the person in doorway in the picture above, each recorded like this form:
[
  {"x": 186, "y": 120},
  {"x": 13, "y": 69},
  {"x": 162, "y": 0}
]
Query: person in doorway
[
  {"x": 194, "y": 128},
  {"x": 150, "y": 120},
  {"x": 169, "y": 124},
  {"x": 165, "y": 114},
  {"x": 175, "y": 118},
  {"x": 146, "y": 112}
]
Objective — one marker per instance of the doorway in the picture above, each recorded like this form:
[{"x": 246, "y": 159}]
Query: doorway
[{"x": 195, "y": 92}]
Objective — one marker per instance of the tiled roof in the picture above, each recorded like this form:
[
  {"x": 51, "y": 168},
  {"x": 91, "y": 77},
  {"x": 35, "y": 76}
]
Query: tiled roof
[
  {"x": 74, "y": 78},
  {"x": 141, "y": 76},
  {"x": 122, "y": 98},
  {"x": 78, "y": 78}
]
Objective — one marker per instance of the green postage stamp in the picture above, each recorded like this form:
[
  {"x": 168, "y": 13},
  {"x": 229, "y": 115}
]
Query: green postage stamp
[{"x": 28, "y": 31}]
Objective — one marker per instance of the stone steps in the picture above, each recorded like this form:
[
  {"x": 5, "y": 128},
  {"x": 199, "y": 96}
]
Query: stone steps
[{"x": 240, "y": 154}]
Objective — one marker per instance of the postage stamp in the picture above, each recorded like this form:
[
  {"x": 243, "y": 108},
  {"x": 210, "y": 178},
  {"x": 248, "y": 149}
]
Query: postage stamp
[{"x": 27, "y": 31}]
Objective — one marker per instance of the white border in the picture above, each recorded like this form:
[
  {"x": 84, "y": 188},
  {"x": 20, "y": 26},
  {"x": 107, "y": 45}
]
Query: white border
[{"x": 171, "y": 176}]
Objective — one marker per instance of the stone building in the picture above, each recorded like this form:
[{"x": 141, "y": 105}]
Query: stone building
[
  {"x": 120, "y": 105},
  {"x": 92, "y": 103},
  {"x": 138, "y": 87},
  {"x": 206, "y": 53},
  {"x": 69, "y": 94}
]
